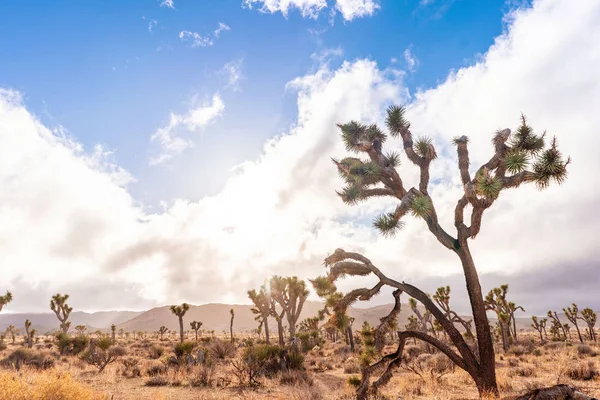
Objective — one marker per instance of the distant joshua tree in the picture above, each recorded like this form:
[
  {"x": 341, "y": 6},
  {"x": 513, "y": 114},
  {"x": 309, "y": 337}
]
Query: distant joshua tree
[
  {"x": 442, "y": 298},
  {"x": 557, "y": 326},
  {"x": 423, "y": 320},
  {"x": 30, "y": 333},
  {"x": 231, "y": 324},
  {"x": 262, "y": 308},
  {"x": 113, "y": 332},
  {"x": 539, "y": 325},
  {"x": 572, "y": 314},
  {"x": 4, "y": 300},
  {"x": 180, "y": 311},
  {"x": 80, "y": 329},
  {"x": 589, "y": 316},
  {"x": 290, "y": 293},
  {"x": 59, "y": 305},
  {"x": 505, "y": 310},
  {"x": 517, "y": 159},
  {"x": 161, "y": 331},
  {"x": 11, "y": 330},
  {"x": 196, "y": 327}
]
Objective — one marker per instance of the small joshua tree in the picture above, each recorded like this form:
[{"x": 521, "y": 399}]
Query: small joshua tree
[
  {"x": 518, "y": 159},
  {"x": 195, "y": 325},
  {"x": 557, "y": 327},
  {"x": 161, "y": 331},
  {"x": 4, "y": 300},
  {"x": 505, "y": 310},
  {"x": 290, "y": 293},
  {"x": 59, "y": 305},
  {"x": 30, "y": 333},
  {"x": 442, "y": 299},
  {"x": 589, "y": 316},
  {"x": 539, "y": 325},
  {"x": 180, "y": 311},
  {"x": 262, "y": 308},
  {"x": 424, "y": 323},
  {"x": 102, "y": 352},
  {"x": 113, "y": 332},
  {"x": 80, "y": 329},
  {"x": 572, "y": 314},
  {"x": 11, "y": 330},
  {"x": 231, "y": 324}
]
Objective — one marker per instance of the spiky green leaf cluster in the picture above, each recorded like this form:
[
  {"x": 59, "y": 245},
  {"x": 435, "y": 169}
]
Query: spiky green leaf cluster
[
  {"x": 487, "y": 185},
  {"x": 393, "y": 159},
  {"x": 525, "y": 139},
  {"x": 351, "y": 194},
  {"x": 421, "y": 207},
  {"x": 395, "y": 120},
  {"x": 550, "y": 166},
  {"x": 355, "y": 134},
  {"x": 423, "y": 146},
  {"x": 516, "y": 161},
  {"x": 388, "y": 224}
]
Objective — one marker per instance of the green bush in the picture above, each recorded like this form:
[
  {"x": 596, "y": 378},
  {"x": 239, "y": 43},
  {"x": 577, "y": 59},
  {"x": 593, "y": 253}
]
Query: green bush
[
  {"x": 23, "y": 356},
  {"x": 182, "y": 349},
  {"x": 68, "y": 345},
  {"x": 354, "y": 381},
  {"x": 222, "y": 350}
]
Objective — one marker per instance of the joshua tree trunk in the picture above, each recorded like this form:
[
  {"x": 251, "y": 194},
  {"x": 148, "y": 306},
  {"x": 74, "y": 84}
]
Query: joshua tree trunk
[
  {"x": 181, "y": 328},
  {"x": 486, "y": 379},
  {"x": 266, "y": 323},
  {"x": 280, "y": 331},
  {"x": 350, "y": 338},
  {"x": 578, "y": 332}
]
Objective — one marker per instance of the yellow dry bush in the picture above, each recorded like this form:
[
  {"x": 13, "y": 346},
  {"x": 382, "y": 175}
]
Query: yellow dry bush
[{"x": 44, "y": 385}]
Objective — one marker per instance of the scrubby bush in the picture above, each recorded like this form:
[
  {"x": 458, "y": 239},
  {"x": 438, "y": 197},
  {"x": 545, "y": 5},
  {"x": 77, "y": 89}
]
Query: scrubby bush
[
  {"x": 156, "y": 351},
  {"x": 27, "y": 357},
  {"x": 182, "y": 349},
  {"x": 157, "y": 380},
  {"x": 220, "y": 350},
  {"x": 102, "y": 352},
  {"x": 295, "y": 378},
  {"x": 354, "y": 381},
  {"x": 518, "y": 350},
  {"x": 583, "y": 371},
  {"x": 585, "y": 350},
  {"x": 203, "y": 376},
  {"x": 68, "y": 345},
  {"x": 47, "y": 385}
]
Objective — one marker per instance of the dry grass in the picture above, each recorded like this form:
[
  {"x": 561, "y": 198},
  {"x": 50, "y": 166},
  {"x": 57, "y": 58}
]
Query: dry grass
[{"x": 142, "y": 375}]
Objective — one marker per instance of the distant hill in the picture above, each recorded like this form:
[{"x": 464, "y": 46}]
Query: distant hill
[{"x": 45, "y": 322}]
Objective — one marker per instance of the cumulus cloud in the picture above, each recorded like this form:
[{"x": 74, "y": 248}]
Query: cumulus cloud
[
  {"x": 350, "y": 9},
  {"x": 168, "y": 4},
  {"x": 279, "y": 214},
  {"x": 171, "y": 143},
  {"x": 411, "y": 60}
]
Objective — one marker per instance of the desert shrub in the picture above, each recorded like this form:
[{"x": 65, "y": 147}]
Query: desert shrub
[
  {"x": 351, "y": 366},
  {"x": 583, "y": 371},
  {"x": 155, "y": 370},
  {"x": 130, "y": 367},
  {"x": 518, "y": 350},
  {"x": 433, "y": 366},
  {"x": 203, "y": 376},
  {"x": 553, "y": 346},
  {"x": 155, "y": 351},
  {"x": 2, "y": 345},
  {"x": 512, "y": 362},
  {"x": 221, "y": 350},
  {"x": 525, "y": 371},
  {"x": 27, "y": 357},
  {"x": 354, "y": 381},
  {"x": 308, "y": 340},
  {"x": 295, "y": 378},
  {"x": 68, "y": 345},
  {"x": 45, "y": 385},
  {"x": 157, "y": 380},
  {"x": 182, "y": 349},
  {"x": 537, "y": 352},
  {"x": 413, "y": 351},
  {"x": 100, "y": 353},
  {"x": 585, "y": 350},
  {"x": 261, "y": 360}
]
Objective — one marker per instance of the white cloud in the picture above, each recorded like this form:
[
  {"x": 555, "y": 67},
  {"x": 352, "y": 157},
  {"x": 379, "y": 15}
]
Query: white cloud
[
  {"x": 196, "y": 118},
  {"x": 350, "y": 9},
  {"x": 198, "y": 40},
  {"x": 152, "y": 24},
  {"x": 168, "y": 4},
  {"x": 411, "y": 61},
  {"x": 222, "y": 27},
  {"x": 233, "y": 71},
  {"x": 279, "y": 213}
]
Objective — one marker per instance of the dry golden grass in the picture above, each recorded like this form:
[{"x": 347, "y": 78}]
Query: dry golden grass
[{"x": 327, "y": 371}]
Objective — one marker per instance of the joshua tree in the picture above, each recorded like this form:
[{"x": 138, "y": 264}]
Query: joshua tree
[
  {"x": 11, "y": 330},
  {"x": 572, "y": 314},
  {"x": 180, "y": 311},
  {"x": 442, "y": 298},
  {"x": 4, "y": 300},
  {"x": 290, "y": 293},
  {"x": 589, "y": 316},
  {"x": 80, "y": 329},
  {"x": 30, "y": 333},
  {"x": 557, "y": 326},
  {"x": 509, "y": 167},
  {"x": 505, "y": 310},
  {"x": 161, "y": 331},
  {"x": 278, "y": 315},
  {"x": 309, "y": 324},
  {"x": 539, "y": 325},
  {"x": 231, "y": 324},
  {"x": 59, "y": 305},
  {"x": 195, "y": 325},
  {"x": 424, "y": 323},
  {"x": 113, "y": 332},
  {"x": 262, "y": 308}
]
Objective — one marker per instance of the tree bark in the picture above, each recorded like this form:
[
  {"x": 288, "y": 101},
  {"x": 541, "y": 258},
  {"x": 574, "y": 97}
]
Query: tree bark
[
  {"x": 181, "y": 329},
  {"x": 350, "y": 338},
  {"x": 280, "y": 331},
  {"x": 486, "y": 382},
  {"x": 266, "y": 324}
]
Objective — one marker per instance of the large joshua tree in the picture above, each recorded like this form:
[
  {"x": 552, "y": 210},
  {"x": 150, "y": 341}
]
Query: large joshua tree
[
  {"x": 262, "y": 308},
  {"x": 180, "y": 311},
  {"x": 59, "y": 305},
  {"x": 290, "y": 293},
  {"x": 572, "y": 314},
  {"x": 517, "y": 159}
]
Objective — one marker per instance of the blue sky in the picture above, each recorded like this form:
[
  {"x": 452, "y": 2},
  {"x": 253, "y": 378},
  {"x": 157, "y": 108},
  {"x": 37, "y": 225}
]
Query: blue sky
[{"x": 111, "y": 71}]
